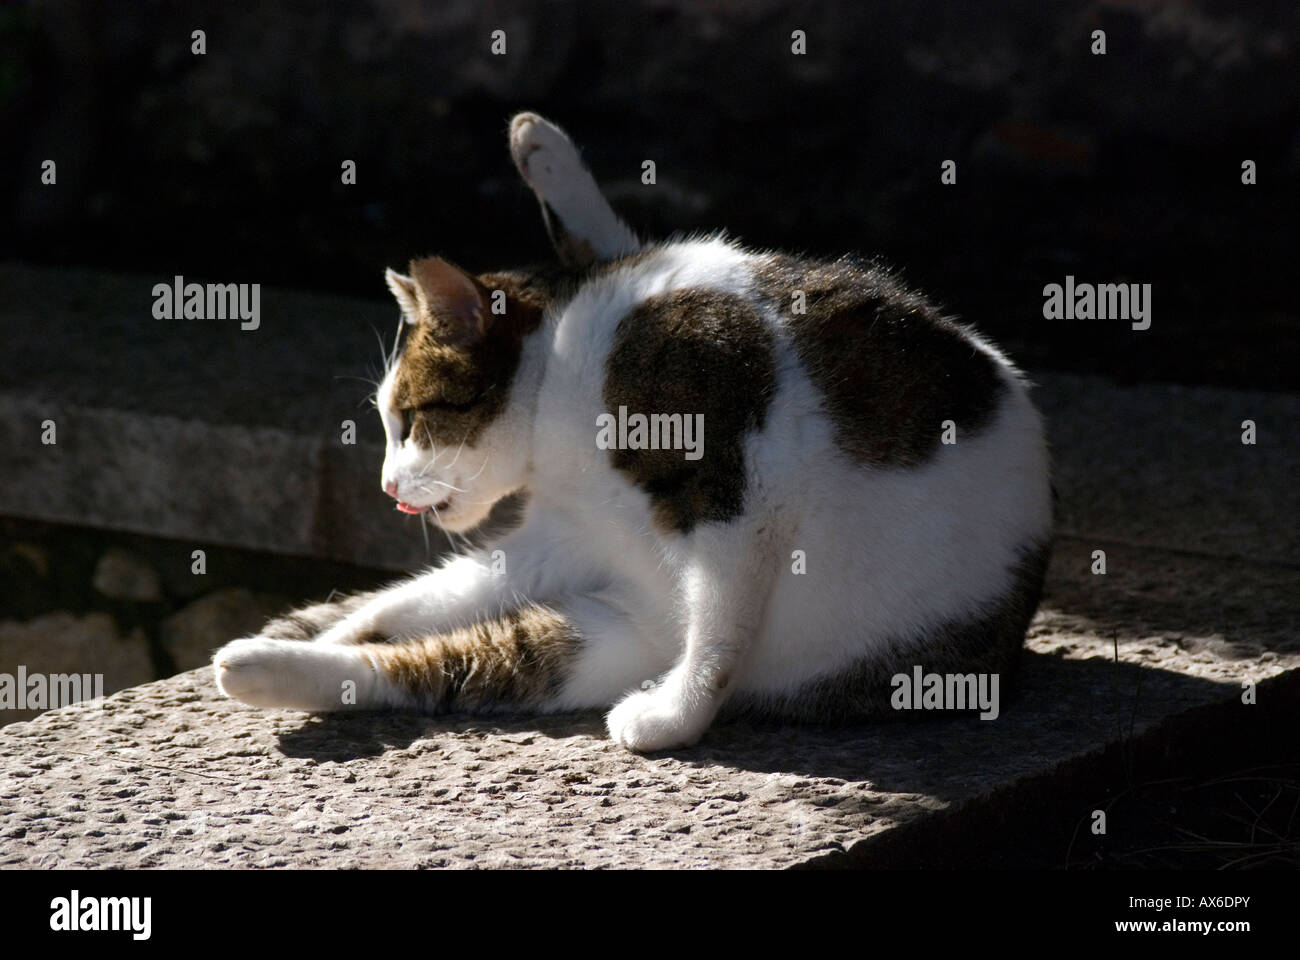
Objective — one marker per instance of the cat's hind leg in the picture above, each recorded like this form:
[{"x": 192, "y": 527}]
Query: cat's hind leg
[
  {"x": 574, "y": 654},
  {"x": 308, "y": 623},
  {"x": 582, "y": 225}
]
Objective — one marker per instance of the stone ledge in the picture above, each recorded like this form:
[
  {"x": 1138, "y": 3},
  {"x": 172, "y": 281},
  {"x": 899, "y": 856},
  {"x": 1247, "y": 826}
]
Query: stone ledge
[{"x": 171, "y": 774}]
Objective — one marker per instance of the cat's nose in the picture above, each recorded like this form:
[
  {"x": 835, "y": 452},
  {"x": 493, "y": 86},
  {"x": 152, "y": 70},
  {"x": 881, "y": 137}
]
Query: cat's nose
[{"x": 390, "y": 488}]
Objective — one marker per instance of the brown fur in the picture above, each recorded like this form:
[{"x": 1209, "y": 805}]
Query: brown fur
[
  {"x": 630, "y": 260},
  {"x": 518, "y": 660},
  {"x": 890, "y": 366},
  {"x": 453, "y": 389},
  {"x": 689, "y": 352}
]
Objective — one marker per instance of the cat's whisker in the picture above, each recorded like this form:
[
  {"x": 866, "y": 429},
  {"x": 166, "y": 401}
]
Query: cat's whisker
[
  {"x": 437, "y": 455},
  {"x": 373, "y": 398},
  {"x": 451, "y": 544},
  {"x": 387, "y": 358},
  {"x": 424, "y": 471},
  {"x": 441, "y": 483},
  {"x": 390, "y": 359},
  {"x": 424, "y": 529},
  {"x": 432, "y": 446},
  {"x": 459, "y": 449}
]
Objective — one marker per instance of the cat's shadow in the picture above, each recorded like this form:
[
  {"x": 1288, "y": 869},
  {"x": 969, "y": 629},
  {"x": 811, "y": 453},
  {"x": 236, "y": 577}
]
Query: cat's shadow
[
  {"x": 370, "y": 733},
  {"x": 1065, "y": 708}
]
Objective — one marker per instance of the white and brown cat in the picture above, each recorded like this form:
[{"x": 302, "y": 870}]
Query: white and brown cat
[{"x": 823, "y": 534}]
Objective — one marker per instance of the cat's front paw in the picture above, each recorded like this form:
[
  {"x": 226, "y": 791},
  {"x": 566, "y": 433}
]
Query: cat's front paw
[
  {"x": 650, "y": 720},
  {"x": 251, "y": 669},
  {"x": 269, "y": 672}
]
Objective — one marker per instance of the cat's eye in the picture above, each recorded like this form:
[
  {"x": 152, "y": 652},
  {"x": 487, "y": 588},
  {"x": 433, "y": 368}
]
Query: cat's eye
[
  {"x": 453, "y": 407},
  {"x": 408, "y": 415}
]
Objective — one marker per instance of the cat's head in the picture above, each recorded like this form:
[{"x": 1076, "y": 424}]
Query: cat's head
[{"x": 457, "y": 432}]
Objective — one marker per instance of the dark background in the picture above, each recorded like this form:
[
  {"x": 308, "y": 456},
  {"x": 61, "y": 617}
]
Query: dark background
[{"x": 1117, "y": 168}]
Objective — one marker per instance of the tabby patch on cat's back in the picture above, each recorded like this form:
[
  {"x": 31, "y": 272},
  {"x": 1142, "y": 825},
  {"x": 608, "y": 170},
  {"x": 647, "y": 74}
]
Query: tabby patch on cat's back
[
  {"x": 889, "y": 365},
  {"x": 689, "y": 352}
]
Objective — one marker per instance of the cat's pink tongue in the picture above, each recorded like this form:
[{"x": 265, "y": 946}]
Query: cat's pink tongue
[{"x": 407, "y": 508}]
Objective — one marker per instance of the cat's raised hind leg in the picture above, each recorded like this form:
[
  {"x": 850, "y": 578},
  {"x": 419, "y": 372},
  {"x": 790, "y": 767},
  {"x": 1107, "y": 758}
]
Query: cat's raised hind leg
[{"x": 582, "y": 224}]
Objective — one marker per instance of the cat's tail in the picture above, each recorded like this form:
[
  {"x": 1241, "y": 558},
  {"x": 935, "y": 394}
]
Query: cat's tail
[{"x": 583, "y": 226}]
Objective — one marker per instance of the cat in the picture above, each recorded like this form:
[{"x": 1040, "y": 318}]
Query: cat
[{"x": 870, "y": 492}]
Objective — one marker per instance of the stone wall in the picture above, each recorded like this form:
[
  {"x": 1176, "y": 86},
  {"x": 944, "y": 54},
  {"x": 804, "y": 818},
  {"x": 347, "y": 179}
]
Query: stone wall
[
  {"x": 132, "y": 609},
  {"x": 1125, "y": 165}
]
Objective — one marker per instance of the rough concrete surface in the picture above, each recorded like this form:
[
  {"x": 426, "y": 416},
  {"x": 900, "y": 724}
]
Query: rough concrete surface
[{"x": 171, "y": 774}]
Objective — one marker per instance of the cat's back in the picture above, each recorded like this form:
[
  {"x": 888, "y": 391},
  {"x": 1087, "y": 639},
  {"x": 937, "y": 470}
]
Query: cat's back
[
  {"x": 892, "y": 372},
  {"x": 791, "y": 363},
  {"x": 890, "y": 369}
]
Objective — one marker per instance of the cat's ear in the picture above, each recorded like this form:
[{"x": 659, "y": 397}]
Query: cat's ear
[
  {"x": 404, "y": 290},
  {"x": 452, "y": 302},
  {"x": 583, "y": 226}
]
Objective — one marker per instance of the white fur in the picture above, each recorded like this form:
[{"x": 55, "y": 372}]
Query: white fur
[{"x": 550, "y": 164}]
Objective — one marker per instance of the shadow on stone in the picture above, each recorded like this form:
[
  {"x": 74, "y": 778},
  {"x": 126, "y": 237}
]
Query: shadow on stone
[
  {"x": 346, "y": 736},
  {"x": 1233, "y": 608},
  {"x": 1065, "y": 707}
]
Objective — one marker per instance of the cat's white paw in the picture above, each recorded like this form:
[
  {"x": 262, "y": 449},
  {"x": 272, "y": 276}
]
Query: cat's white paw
[
  {"x": 550, "y": 164},
  {"x": 267, "y": 672},
  {"x": 649, "y": 720},
  {"x": 251, "y": 669},
  {"x": 545, "y": 157}
]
